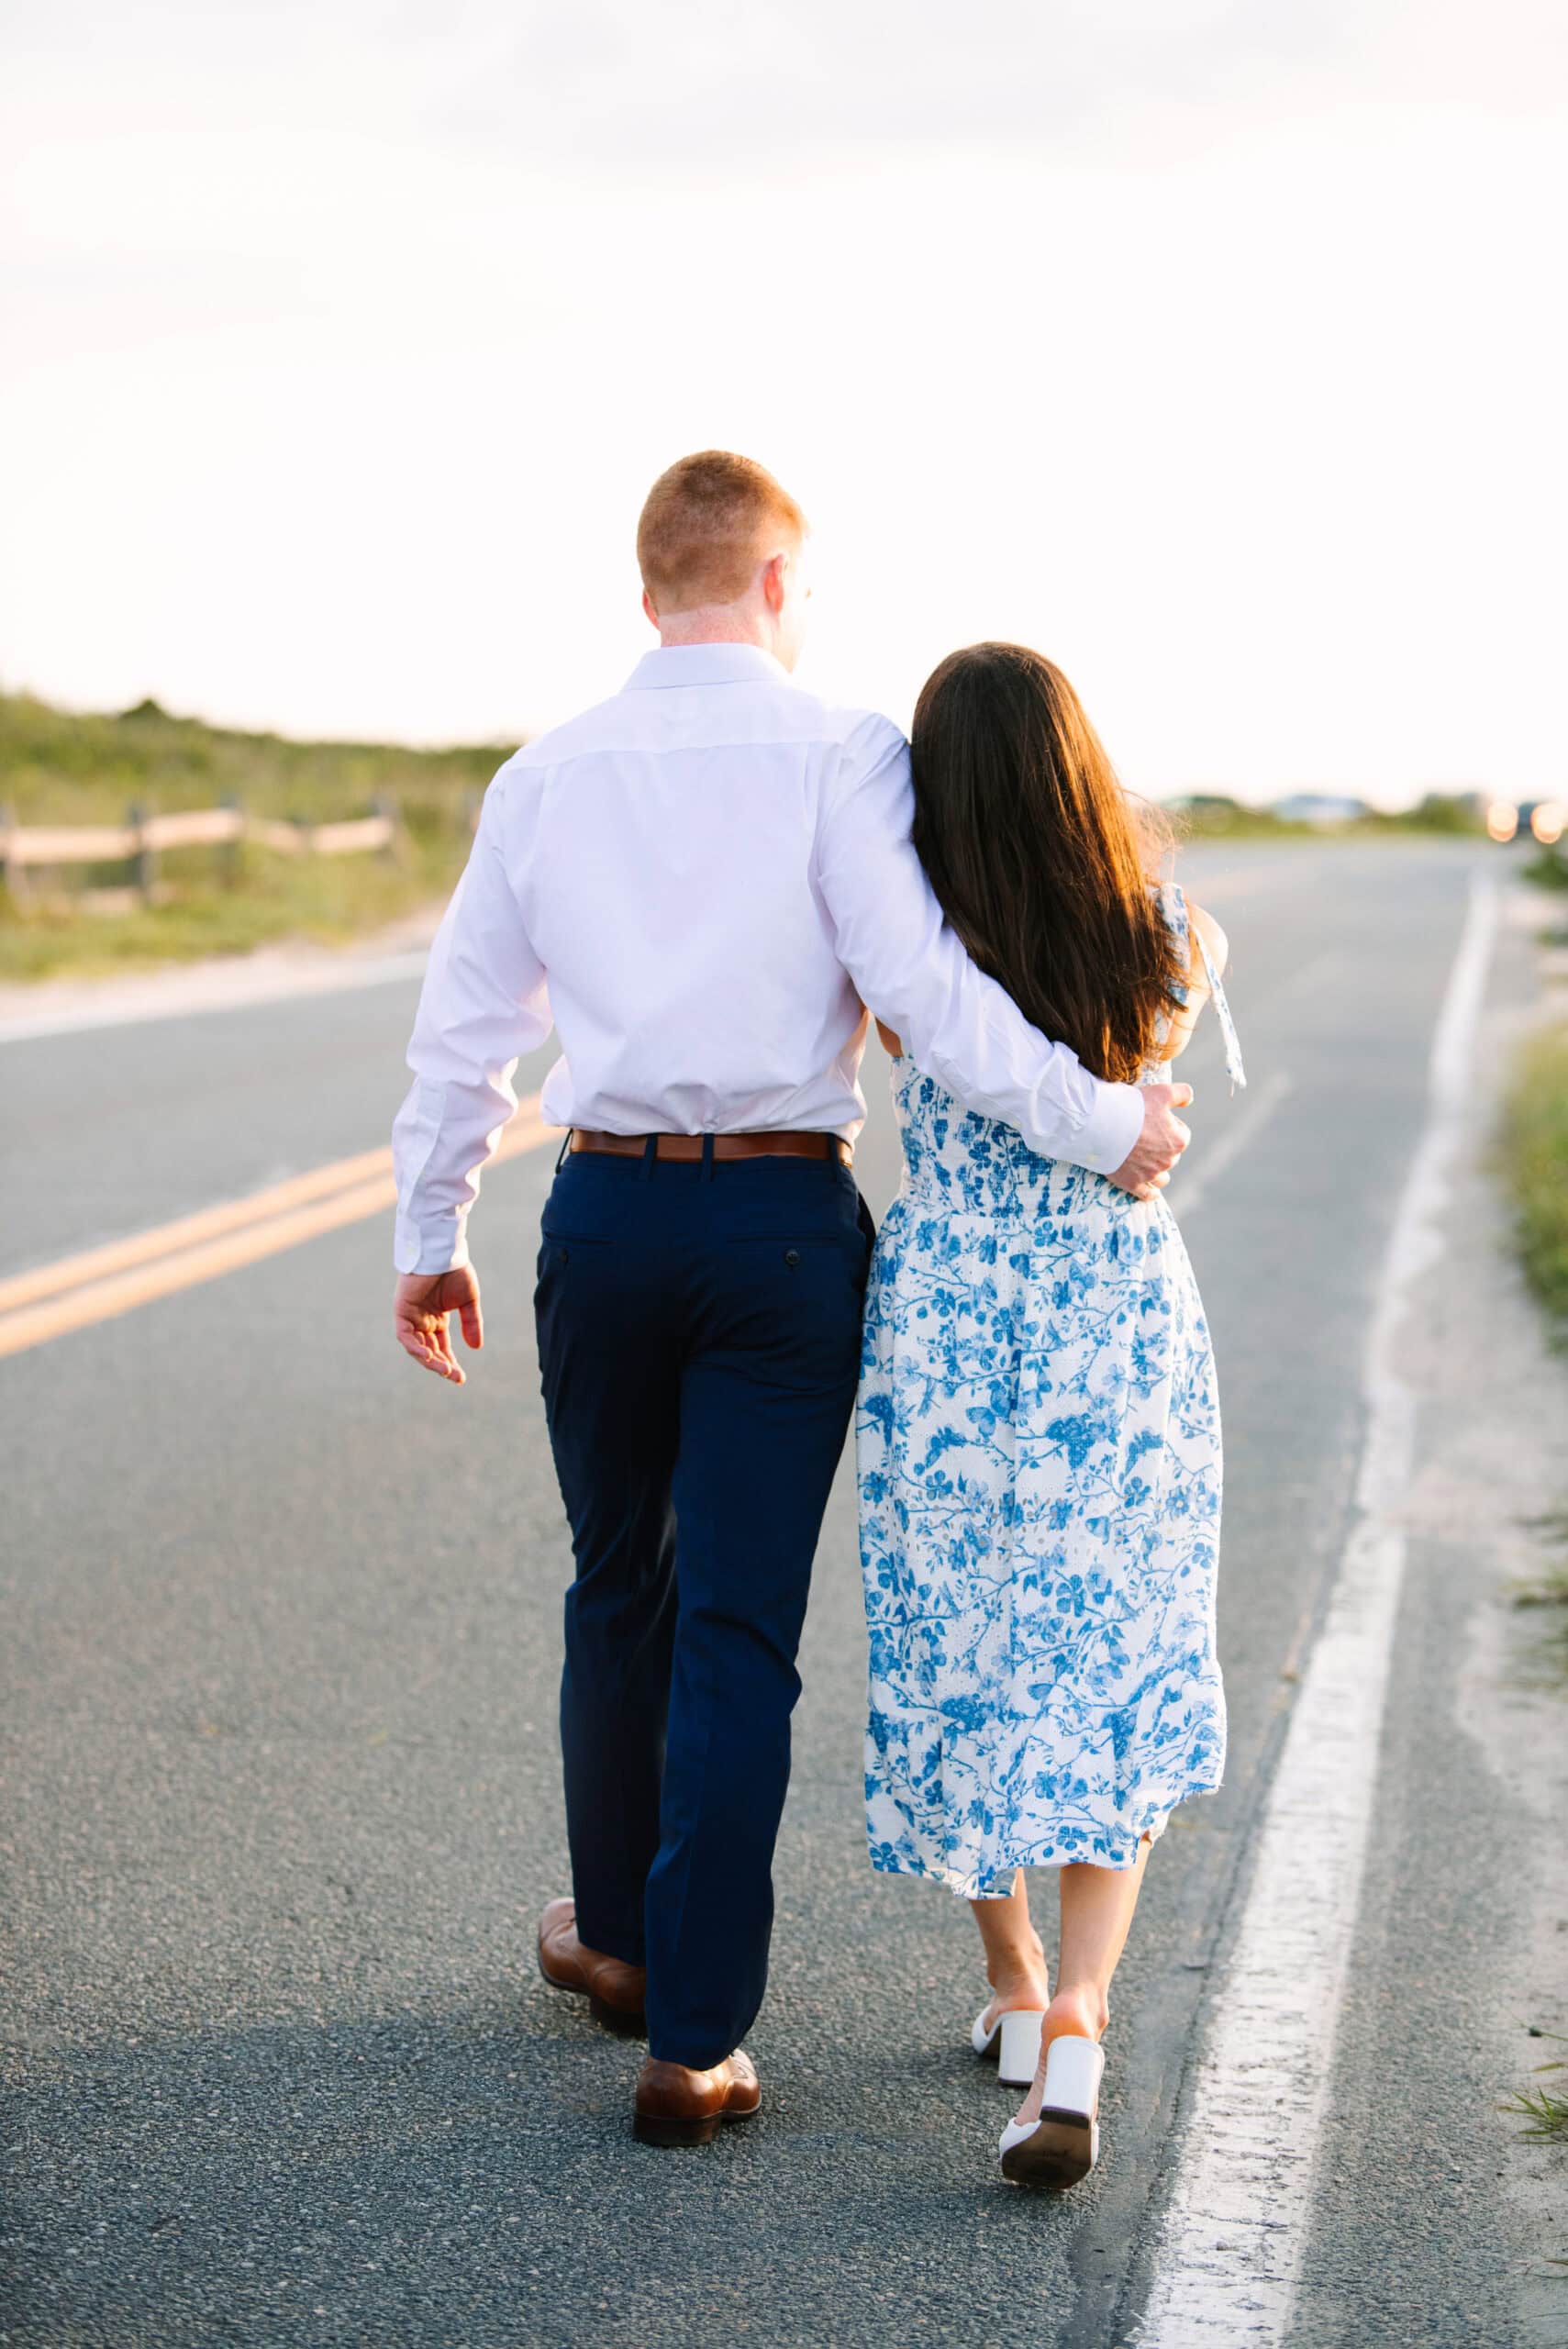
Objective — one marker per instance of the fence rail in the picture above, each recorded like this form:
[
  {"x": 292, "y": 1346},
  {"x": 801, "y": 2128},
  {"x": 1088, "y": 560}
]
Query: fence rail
[{"x": 27, "y": 848}]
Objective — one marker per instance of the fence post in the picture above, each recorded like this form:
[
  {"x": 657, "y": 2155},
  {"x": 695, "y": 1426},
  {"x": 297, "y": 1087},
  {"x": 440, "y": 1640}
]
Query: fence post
[
  {"x": 231, "y": 855},
  {"x": 144, "y": 861},
  {"x": 384, "y": 805},
  {"x": 15, "y": 870}
]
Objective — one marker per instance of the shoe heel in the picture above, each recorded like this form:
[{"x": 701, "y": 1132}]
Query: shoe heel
[
  {"x": 1053, "y": 2156},
  {"x": 1019, "y": 2052},
  {"x": 1073, "y": 2069},
  {"x": 659, "y": 2129},
  {"x": 1063, "y": 2144}
]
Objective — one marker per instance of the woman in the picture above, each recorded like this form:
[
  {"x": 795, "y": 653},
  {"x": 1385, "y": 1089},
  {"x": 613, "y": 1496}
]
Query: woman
[{"x": 1037, "y": 1430}]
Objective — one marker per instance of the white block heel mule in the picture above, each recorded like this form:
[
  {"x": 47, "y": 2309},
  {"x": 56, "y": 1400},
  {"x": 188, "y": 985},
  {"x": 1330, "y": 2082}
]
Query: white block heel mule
[
  {"x": 1012, "y": 2044},
  {"x": 1063, "y": 2144}
]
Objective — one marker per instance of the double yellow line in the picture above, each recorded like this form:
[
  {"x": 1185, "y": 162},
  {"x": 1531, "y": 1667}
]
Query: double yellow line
[{"x": 102, "y": 1282}]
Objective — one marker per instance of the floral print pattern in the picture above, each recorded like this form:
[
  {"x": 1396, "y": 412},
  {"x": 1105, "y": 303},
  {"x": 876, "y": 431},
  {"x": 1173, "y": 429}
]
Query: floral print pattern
[{"x": 1038, "y": 1454}]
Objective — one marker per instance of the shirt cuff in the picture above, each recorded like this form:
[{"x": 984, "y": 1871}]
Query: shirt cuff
[
  {"x": 442, "y": 1251},
  {"x": 1111, "y": 1129}
]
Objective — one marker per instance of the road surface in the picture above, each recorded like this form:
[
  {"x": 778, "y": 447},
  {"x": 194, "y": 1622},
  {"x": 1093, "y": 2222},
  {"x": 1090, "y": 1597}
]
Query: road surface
[{"x": 283, "y": 1630}]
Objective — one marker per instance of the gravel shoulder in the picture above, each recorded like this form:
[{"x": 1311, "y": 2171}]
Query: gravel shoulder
[{"x": 1437, "y": 2219}]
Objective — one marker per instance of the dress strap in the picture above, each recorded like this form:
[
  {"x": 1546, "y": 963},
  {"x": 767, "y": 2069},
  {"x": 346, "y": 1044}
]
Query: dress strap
[
  {"x": 1173, "y": 907},
  {"x": 1174, "y": 900}
]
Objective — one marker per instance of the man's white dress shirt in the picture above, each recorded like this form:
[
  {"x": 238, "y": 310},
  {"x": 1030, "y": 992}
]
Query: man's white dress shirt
[{"x": 700, "y": 883}]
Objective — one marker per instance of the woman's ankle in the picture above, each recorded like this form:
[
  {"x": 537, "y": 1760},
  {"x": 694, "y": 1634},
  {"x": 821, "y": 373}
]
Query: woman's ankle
[
  {"x": 1020, "y": 1991},
  {"x": 1080, "y": 2010}
]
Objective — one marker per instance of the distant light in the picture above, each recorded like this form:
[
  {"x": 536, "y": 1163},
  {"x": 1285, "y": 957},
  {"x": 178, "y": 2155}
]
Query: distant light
[
  {"x": 1502, "y": 819},
  {"x": 1546, "y": 820}
]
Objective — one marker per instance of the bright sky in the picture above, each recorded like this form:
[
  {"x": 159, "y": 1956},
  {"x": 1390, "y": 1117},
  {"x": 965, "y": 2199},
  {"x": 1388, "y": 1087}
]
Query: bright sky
[{"x": 1217, "y": 350}]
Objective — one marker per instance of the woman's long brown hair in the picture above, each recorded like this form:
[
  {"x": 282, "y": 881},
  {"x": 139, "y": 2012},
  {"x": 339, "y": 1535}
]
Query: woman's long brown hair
[{"x": 1036, "y": 857}]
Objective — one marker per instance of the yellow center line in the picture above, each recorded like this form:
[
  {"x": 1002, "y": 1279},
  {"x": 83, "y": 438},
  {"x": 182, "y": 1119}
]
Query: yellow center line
[
  {"x": 209, "y": 1223},
  {"x": 100, "y": 1283}
]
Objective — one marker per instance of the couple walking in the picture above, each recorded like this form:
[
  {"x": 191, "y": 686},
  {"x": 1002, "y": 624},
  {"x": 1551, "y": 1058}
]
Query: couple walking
[{"x": 710, "y": 885}]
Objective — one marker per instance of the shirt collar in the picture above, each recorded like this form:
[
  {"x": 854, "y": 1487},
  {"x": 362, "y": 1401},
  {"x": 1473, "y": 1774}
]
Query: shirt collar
[{"x": 706, "y": 664}]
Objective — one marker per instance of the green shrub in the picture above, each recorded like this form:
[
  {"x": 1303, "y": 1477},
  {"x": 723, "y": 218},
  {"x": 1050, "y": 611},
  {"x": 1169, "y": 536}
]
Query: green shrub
[
  {"x": 1549, "y": 870},
  {"x": 1535, "y": 1141}
]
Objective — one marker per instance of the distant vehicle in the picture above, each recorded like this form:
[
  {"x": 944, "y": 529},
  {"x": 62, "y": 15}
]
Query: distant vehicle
[
  {"x": 1543, "y": 820},
  {"x": 1322, "y": 807}
]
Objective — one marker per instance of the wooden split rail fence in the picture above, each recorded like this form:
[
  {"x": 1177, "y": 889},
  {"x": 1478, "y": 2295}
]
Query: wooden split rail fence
[{"x": 26, "y": 849}]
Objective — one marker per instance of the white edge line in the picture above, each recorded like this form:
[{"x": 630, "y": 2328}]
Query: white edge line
[
  {"x": 1184, "y": 1197},
  {"x": 1235, "y": 2229},
  {"x": 130, "y": 1001}
]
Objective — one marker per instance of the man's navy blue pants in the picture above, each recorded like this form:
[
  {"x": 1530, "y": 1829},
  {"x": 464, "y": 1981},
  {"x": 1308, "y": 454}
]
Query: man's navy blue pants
[{"x": 699, "y": 1331}]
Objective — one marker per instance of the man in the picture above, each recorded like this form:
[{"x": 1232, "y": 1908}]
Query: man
[{"x": 701, "y": 882}]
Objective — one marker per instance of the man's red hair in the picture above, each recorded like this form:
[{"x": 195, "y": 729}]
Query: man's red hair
[{"x": 707, "y": 523}]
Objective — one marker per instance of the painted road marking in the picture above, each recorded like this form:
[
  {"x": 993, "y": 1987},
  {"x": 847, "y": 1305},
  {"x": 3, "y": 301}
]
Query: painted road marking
[
  {"x": 99, "y": 1282},
  {"x": 1233, "y": 2234},
  {"x": 68, "y": 1008},
  {"x": 96, "y": 1263},
  {"x": 1184, "y": 1197}
]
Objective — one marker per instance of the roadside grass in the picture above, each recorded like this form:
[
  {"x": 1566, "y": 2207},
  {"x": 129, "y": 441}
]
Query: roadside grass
[
  {"x": 1216, "y": 815},
  {"x": 61, "y": 767},
  {"x": 1546, "y": 1593},
  {"x": 325, "y": 898},
  {"x": 1549, "y": 870},
  {"x": 1535, "y": 1163},
  {"x": 1547, "y": 2112},
  {"x": 1544, "y": 2109}
]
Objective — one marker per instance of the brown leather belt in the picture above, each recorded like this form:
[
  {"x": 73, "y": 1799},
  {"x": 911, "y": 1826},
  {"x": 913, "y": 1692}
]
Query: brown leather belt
[{"x": 690, "y": 1146}]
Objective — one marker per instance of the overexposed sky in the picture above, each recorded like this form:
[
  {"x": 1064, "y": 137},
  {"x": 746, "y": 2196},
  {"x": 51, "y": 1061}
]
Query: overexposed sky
[{"x": 1216, "y": 349}]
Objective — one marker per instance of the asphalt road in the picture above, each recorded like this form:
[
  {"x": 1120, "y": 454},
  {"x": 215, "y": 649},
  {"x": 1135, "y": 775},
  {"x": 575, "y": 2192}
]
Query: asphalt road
[{"x": 281, "y": 1799}]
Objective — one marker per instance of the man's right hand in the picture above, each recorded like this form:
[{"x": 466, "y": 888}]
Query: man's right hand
[
  {"x": 420, "y": 1317},
  {"x": 1148, "y": 1169}
]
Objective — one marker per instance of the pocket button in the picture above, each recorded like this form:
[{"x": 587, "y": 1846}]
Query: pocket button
[{"x": 791, "y": 1257}]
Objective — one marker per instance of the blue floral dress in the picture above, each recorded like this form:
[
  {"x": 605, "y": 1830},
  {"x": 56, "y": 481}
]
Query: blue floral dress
[{"x": 1038, "y": 1454}]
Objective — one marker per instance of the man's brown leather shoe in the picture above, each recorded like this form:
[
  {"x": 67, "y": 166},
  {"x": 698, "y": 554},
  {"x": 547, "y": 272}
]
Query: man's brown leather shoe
[
  {"x": 679, "y": 2107},
  {"x": 614, "y": 1991}
]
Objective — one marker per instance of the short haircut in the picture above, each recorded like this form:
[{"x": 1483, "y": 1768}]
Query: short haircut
[{"x": 707, "y": 523}]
